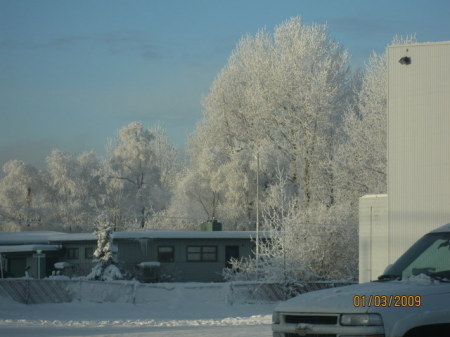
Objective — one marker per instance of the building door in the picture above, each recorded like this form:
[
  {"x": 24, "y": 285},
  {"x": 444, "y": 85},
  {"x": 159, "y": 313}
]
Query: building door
[{"x": 231, "y": 252}]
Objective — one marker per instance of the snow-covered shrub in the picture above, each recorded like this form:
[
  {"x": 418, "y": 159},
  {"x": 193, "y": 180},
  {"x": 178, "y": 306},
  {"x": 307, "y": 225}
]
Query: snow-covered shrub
[
  {"x": 296, "y": 247},
  {"x": 105, "y": 268}
]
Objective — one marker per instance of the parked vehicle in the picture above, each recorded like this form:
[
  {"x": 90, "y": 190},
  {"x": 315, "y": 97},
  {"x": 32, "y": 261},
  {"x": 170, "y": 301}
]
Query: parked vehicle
[{"x": 411, "y": 299}]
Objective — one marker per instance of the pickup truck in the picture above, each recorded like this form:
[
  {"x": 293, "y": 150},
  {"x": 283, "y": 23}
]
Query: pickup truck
[{"x": 411, "y": 299}]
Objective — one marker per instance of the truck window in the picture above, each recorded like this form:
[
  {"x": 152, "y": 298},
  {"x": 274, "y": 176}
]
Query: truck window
[
  {"x": 430, "y": 255},
  {"x": 434, "y": 259}
]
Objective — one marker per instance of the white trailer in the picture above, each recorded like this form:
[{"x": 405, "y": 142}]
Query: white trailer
[{"x": 373, "y": 234}]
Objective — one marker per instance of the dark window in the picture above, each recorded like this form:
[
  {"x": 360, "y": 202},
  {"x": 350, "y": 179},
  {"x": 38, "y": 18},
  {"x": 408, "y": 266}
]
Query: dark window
[
  {"x": 202, "y": 253},
  {"x": 73, "y": 253},
  {"x": 166, "y": 254},
  {"x": 231, "y": 252},
  {"x": 89, "y": 253}
]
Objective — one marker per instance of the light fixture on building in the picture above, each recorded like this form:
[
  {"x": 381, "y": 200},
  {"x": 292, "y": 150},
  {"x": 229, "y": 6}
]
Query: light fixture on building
[{"x": 405, "y": 60}]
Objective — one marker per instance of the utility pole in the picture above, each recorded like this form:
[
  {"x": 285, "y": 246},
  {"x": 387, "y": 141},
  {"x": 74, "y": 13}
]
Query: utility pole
[{"x": 257, "y": 215}]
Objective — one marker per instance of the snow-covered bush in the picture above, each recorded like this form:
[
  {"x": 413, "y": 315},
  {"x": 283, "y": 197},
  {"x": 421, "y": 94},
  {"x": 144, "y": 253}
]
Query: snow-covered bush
[
  {"x": 105, "y": 268},
  {"x": 292, "y": 250}
]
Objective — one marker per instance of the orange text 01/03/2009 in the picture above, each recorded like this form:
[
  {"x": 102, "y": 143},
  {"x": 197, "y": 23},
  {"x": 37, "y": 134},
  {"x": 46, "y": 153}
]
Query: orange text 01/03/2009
[{"x": 387, "y": 301}]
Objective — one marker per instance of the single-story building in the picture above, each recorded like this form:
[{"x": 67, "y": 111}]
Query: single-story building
[{"x": 150, "y": 256}]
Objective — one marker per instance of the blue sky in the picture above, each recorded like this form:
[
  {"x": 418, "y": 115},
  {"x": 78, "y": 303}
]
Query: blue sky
[{"x": 73, "y": 72}]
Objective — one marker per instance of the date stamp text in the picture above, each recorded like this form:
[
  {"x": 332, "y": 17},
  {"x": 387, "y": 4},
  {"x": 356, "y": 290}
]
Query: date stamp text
[{"x": 387, "y": 301}]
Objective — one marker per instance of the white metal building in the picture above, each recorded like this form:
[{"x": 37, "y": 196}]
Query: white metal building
[
  {"x": 418, "y": 142},
  {"x": 418, "y": 156}
]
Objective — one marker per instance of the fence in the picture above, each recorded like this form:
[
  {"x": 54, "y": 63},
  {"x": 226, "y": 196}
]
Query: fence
[
  {"x": 271, "y": 292},
  {"x": 31, "y": 291}
]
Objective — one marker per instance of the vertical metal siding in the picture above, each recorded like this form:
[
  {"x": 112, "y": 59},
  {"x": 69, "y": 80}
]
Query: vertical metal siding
[
  {"x": 419, "y": 142},
  {"x": 373, "y": 233}
]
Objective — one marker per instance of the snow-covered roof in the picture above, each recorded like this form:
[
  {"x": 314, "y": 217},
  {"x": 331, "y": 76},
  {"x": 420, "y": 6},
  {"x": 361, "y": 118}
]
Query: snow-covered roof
[
  {"x": 28, "y": 248},
  {"x": 31, "y": 237},
  {"x": 46, "y": 237},
  {"x": 62, "y": 237},
  {"x": 175, "y": 234}
]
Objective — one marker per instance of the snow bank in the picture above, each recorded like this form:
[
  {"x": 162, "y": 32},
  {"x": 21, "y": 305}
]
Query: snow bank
[
  {"x": 155, "y": 293},
  {"x": 179, "y": 293},
  {"x": 60, "y": 289},
  {"x": 157, "y": 305},
  {"x": 99, "y": 291},
  {"x": 72, "y": 322},
  {"x": 170, "y": 293}
]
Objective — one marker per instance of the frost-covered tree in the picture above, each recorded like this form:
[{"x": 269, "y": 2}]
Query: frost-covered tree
[
  {"x": 75, "y": 186},
  {"x": 132, "y": 176},
  {"x": 284, "y": 94},
  {"x": 364, "y": 154},
  {"x": 133, "y": 181},
  {"x": 196, "y": 196},
  {"x": 292, "y": 91},
  {"x": 105, "y": 268},
  {"x": 23, "y": 193}
]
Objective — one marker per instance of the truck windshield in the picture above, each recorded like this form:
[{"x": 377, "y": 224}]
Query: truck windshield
[{"x": 430, "y": 256}]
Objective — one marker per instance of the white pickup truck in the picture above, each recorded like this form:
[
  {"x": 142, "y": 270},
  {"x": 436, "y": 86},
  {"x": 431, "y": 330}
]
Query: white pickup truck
[{"x": 412, "y": 299}]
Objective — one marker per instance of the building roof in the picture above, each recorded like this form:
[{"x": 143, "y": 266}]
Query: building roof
[
  {"x": 47, "y": 237},
  {"x": 419, "y": 44},
  {"x": 31, "y": 237},
  {"x": 175, "y": 234},
  {"x": 28, "y": 248}
]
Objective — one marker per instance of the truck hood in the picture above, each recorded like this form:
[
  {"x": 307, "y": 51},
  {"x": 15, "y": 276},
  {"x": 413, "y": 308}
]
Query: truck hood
[{"x": 340, "y": 300}]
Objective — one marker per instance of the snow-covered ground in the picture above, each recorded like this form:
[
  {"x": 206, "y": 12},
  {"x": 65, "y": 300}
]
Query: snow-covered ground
[{"x": 201, "y": 317}]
